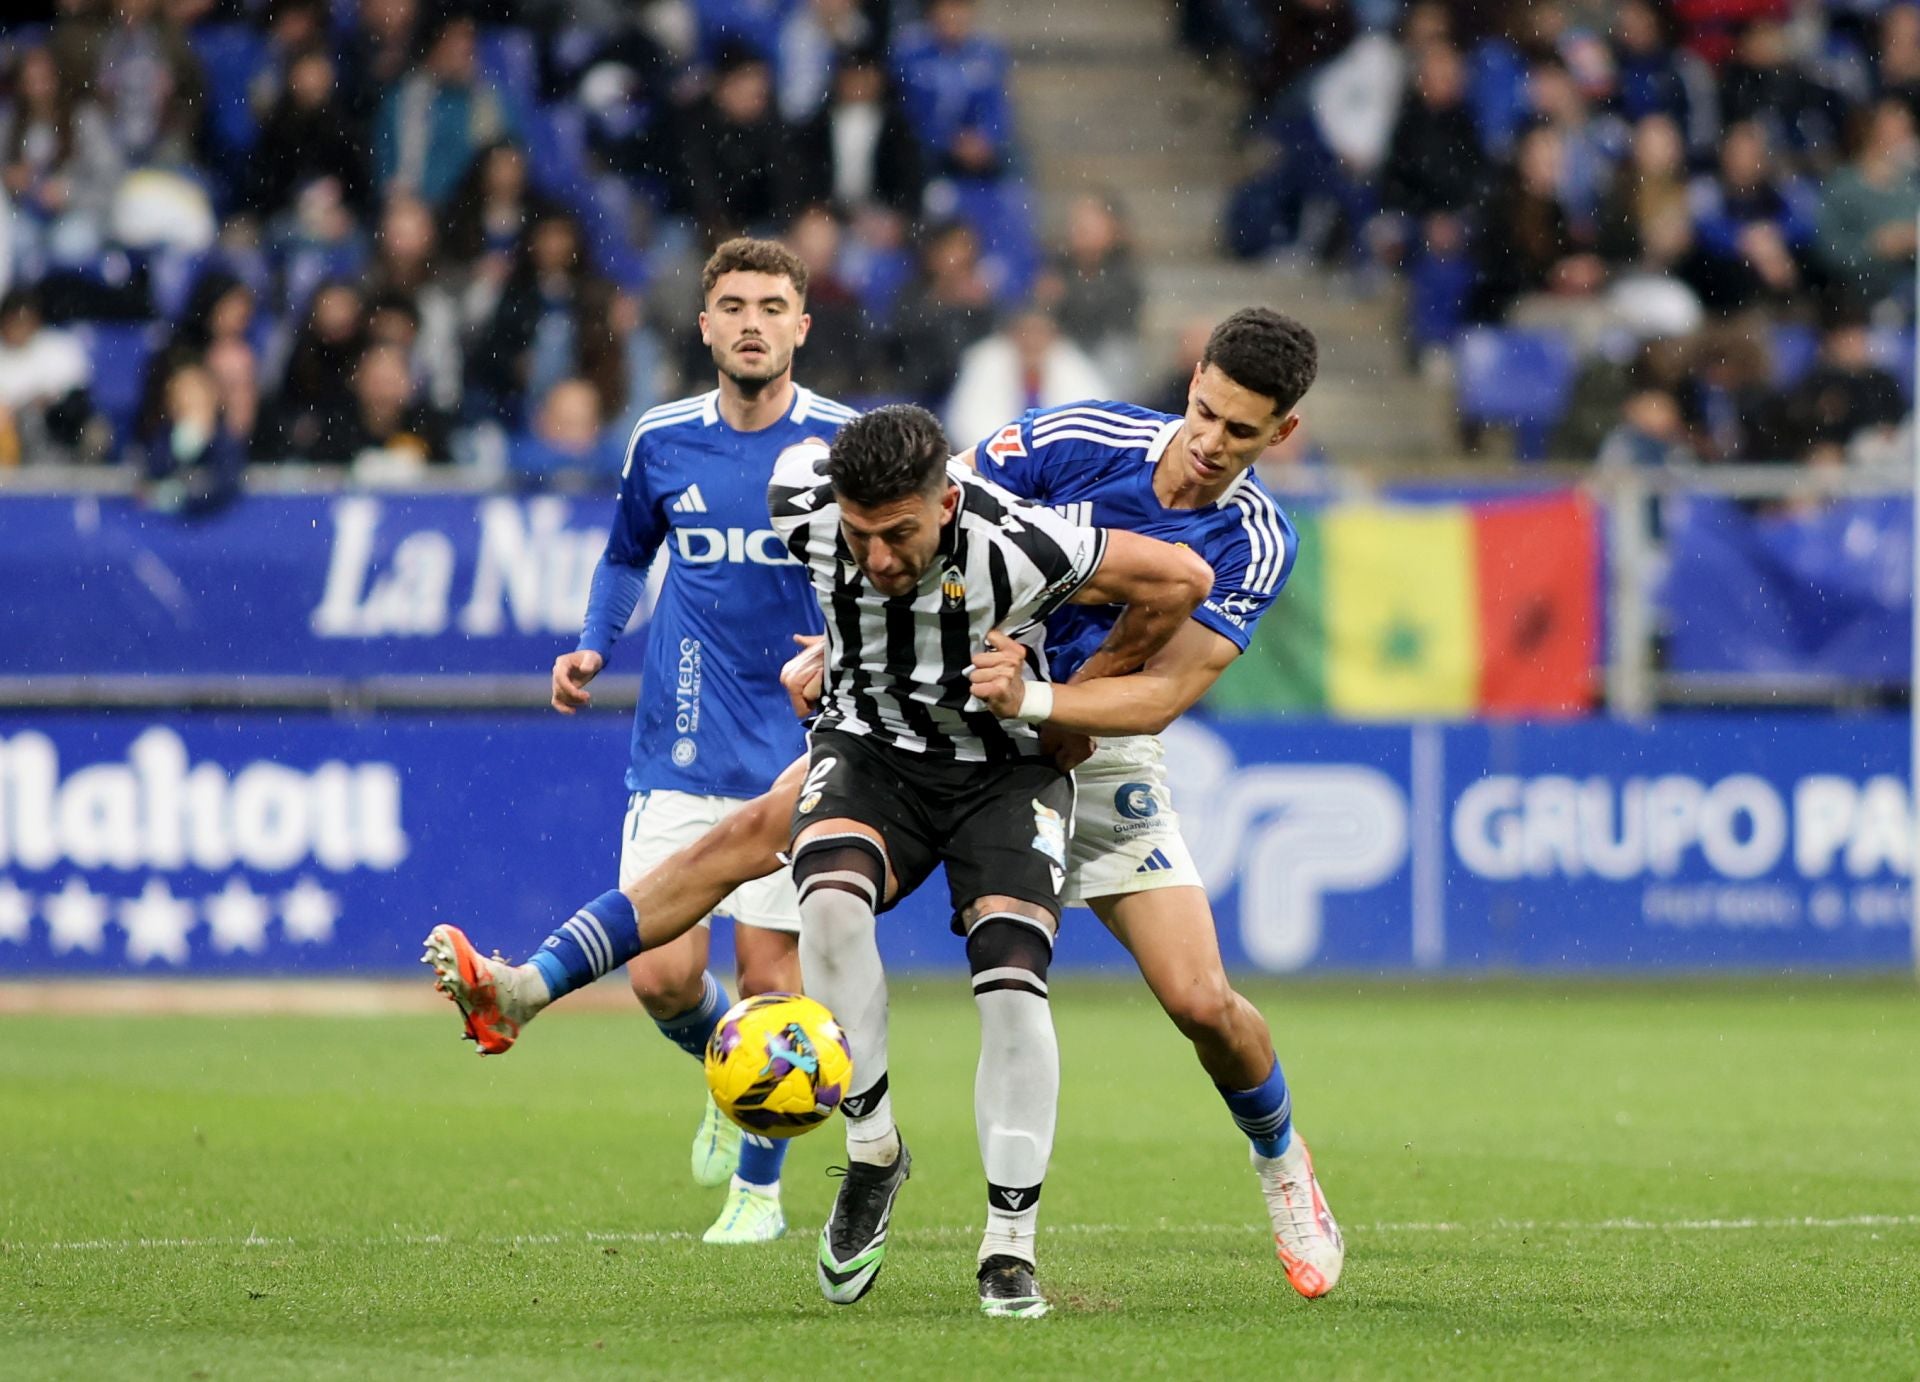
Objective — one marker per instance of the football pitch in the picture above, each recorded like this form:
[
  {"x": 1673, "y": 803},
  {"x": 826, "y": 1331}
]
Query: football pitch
[{"x": 1701, "y": 1178}]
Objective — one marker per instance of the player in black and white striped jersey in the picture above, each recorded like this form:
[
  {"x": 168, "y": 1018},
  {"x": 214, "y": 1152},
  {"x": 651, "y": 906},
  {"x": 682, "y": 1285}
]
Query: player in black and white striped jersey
[{"x": 914, "y": 561}]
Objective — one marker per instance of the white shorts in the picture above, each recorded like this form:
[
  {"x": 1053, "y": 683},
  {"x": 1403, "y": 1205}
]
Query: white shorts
[
  {"x": 1126, "y": 834},
  {"x": 659, "y": 823}
]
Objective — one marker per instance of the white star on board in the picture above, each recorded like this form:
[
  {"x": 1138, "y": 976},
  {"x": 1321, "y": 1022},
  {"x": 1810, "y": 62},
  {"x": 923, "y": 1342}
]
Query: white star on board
[
  {"x": 76, "y": 918},
  {"x": 237, "y": 918},
  {"x": 16, "y": 913},
  {"x": 157, "y": 924},
  {"x": 309, "y": 912}
]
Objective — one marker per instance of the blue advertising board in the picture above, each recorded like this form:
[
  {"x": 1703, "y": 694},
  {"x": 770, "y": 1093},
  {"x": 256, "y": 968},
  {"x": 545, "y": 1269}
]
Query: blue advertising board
[
  {"x": 347, "y": 586},
  {"x": 269, "y": 843}
]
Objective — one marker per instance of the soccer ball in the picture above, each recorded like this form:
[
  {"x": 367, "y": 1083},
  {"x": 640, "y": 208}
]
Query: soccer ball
[{"x": 778, "y": 1064}]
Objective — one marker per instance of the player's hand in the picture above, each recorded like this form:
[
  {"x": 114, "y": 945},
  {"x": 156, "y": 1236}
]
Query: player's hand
[
  {"x": 571, "y": 673},
  {"x": 996, "y": 676},
  {"x": 1068, "y": 748},
  {"x": 805, "y": 673}
]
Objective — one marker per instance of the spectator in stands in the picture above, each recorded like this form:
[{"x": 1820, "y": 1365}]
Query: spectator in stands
[
  {"x": 381, "y": 429},
  {"x": 1093, "y": 289},
  {"x": 491, "y": 210},
  {"x": 1896, "y": 70},
  {"x": 308, "y": 136},
  {"x": 44, "y": 373},
  {"x": 377, "y": 57},
  {"x": 1727, "y": 399},
  {"x": 405, "y": 266},
  {"x": 839, "y": 360},
  {"x": 142, "y": 70},
  {"x": 195, "y": 450},
  {"x": 1434, "y": 175},
  {"x": 947, "y": 309},
  {"x": 1026, "y": 364},
  {"x": 1651, "y": 432},
  {"x": 57, "y": 160},
  {"x": 318, "y": 377},
  {"x": 1844, "y": 395},
  {"x": 1764, "y": 83},
  {"x": 954, "y": 84},
  {"x": 816, "y": 40},
  {"x": 859, "y": 149},
  {"x": 568, "y": 449},
  {"x": 1532, "y": 247},
  {"x": 1649, "y": 187},
  {"x": 1755, "y": 224},
  {"x": 1655, "y": 77},
  {"x": 1170, "y": 394},
  {"x": 536, "y": 315},
  {"x": 1298, "y": 38},
  {"x": 218, "y": 322},
  {"x": 1865, "y": 229},
  {"x": 435, "y": 121},
  {"x": 1590, "y": 143},
  {"x": 739, "y": 170}
]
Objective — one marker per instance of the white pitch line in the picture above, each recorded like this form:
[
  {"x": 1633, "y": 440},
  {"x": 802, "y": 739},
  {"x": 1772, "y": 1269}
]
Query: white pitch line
[{"x": 592, "y": 1238}]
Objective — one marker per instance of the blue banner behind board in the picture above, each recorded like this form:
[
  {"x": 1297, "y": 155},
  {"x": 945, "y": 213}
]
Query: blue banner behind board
[{"x": 257, "y": 843}]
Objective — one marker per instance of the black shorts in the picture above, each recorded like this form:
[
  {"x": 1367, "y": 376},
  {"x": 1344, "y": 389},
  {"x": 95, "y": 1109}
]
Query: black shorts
[{"x": 1000, "y": 828}]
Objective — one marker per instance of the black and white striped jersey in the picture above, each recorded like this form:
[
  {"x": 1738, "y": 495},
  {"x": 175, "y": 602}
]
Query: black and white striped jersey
[{"x": 897, "y": 666}]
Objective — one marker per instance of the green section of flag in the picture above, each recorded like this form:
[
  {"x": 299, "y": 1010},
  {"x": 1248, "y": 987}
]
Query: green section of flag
[{"x": 1284, "y": 667}]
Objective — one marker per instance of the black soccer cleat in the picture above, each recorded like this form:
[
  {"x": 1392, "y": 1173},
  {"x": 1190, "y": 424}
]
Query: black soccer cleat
[
  {"x": 1008, "y": 1290},
  {"x": 853, "y": 1241}
]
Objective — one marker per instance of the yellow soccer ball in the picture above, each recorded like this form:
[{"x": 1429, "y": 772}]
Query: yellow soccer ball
[{"x": 778, "y": 1064}]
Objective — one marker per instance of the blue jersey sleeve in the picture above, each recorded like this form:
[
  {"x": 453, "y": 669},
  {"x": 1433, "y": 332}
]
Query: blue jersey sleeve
[
  {"x": 639, "y": 527},
  {"x": 1251, "y": 561},
  {"x": 1006, "y": 458}
]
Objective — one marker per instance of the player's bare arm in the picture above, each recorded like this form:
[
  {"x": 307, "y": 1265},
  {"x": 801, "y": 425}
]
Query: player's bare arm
[
  {"x": 1158, "y": 585},
  {"x": 1142, "y": 702}
]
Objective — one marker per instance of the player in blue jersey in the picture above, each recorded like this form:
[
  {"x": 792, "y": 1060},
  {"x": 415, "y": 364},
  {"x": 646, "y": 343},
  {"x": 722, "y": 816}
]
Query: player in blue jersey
[
  {"x": 711, "y": 728},
  {"x": 1183, "y": 479}
]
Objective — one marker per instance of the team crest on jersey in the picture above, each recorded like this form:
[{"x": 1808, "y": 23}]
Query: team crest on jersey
[
  {"x": 1006, "y": 444},
  {"x": 953, "y": 588},
  {"x": 1050, "y": 833}
]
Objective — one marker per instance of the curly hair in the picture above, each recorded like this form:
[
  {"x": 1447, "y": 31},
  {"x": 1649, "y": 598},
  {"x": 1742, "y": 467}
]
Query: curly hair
[
  {"x": 743, "y": 254},
  {"x": 1267, "y": 352},
  {"x": 887, "y": 455}
]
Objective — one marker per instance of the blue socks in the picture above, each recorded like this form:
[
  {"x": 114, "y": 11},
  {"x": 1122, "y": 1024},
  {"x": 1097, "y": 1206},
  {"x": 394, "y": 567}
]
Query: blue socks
[
  {"x": 1264, "y": 1113},
  {"x": 760, "y": 1160},
  {"x": 595, "y": 940},
  {"x": 691, "y": 1030}
]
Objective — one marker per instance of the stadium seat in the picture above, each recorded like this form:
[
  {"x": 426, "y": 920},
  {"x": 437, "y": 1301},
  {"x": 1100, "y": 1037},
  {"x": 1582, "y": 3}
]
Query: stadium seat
[
  {"x": 1518, "y": 379},
  {"x": 118, "y": 351},
  {"x": 232, "y": 55},
  {"x": 1794, "y": 349}
]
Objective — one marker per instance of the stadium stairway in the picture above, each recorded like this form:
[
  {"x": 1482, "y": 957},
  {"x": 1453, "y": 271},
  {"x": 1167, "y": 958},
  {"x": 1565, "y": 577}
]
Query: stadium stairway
[{"x": 1108, "y": 99}]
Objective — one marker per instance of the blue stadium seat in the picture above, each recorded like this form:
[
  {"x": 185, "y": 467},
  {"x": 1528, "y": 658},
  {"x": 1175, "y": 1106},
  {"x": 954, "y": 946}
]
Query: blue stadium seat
[
  {"x": 119, "y": 352},
  {"x": 232, "y": 55},
  {"x": 1795, "y": 348},
  {"x": 1518, "y": 379}
]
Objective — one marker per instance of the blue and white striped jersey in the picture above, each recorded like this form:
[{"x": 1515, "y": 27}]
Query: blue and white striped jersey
[
  {"x": 1093, "y": 463},
  {"x": 712, "y": 718}
]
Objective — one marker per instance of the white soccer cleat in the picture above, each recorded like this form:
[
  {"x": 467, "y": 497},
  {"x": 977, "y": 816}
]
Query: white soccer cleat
[
  {"x": 716, "y": 1148},
  {"x": 495, "y": 998},
  {"x": 747, "y": 1217},
  {"x": 1305, "y": 1238}
]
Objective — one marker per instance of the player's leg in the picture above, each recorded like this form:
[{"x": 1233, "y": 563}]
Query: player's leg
[
  {"x": 1007, "y": 854},
  {"x": 1131, "y": 865},
  {"x": 496, "y": 998},
  {"x": 857, "y": 845},
  {"x": 767, "y": 960}
]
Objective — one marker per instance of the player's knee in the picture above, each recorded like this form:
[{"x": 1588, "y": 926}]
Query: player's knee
[
  {"x": 1008, "y": 951},
  {"x": 1204, "y": 1008},
  {"x": 666, "y": 990},
  {"x": 841, "y": 873},
  {"x": 769, "y": 969}
]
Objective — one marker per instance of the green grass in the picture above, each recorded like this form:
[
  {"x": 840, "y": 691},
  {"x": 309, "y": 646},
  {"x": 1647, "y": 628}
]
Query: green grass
[{"x": 415, "y": 1212}]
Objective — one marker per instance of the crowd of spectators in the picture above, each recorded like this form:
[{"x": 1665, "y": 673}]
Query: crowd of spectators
[
  {"x": 1712, "y": 201},
  {"x": 394, "y": 234}
]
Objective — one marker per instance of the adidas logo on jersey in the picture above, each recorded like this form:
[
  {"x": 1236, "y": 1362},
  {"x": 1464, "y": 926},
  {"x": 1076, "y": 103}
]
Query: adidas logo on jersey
[
  {"x": 689, "y": 501},
  {"x": 1156, "y": 861}
]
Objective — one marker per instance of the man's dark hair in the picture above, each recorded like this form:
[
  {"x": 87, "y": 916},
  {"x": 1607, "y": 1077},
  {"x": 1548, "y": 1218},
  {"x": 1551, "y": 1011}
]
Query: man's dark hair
[
  {"x": 887, "y": 455},
  {"x": 1267, "y": 352},
  {"x": 746, "y": 255}
]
